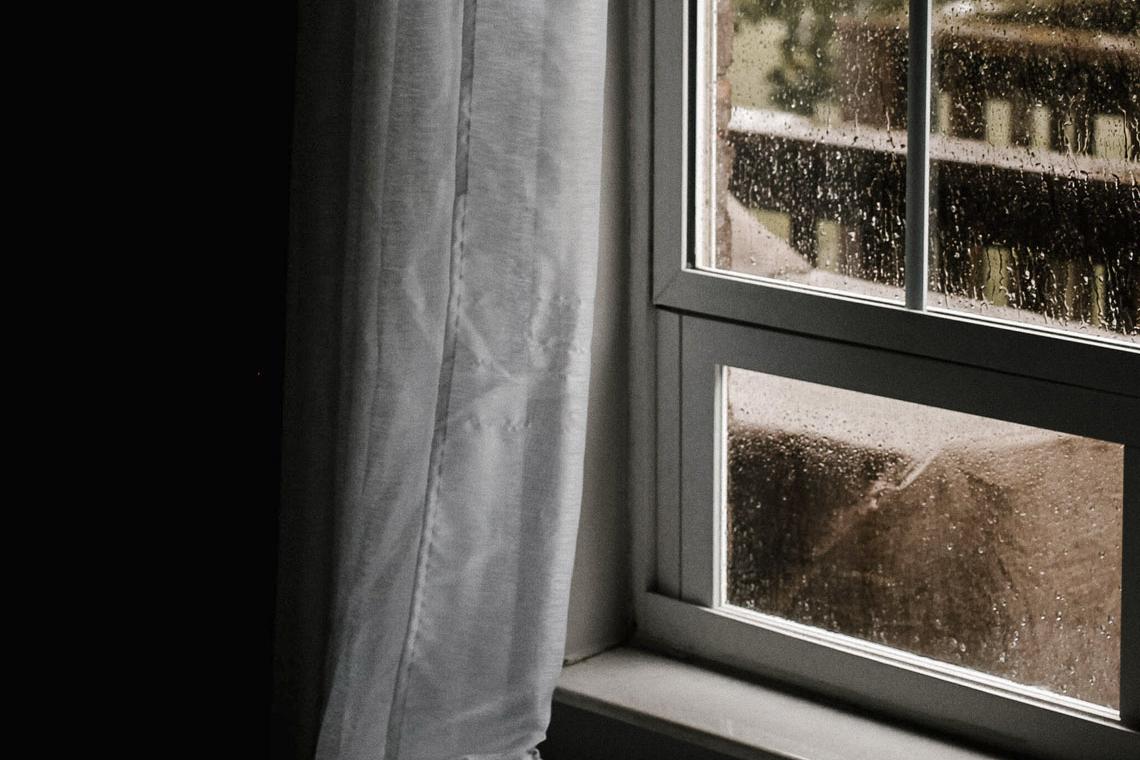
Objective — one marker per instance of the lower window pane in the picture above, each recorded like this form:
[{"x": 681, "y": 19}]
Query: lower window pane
[{"x": 972, "y": 541}]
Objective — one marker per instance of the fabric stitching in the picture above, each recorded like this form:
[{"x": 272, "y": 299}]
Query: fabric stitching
[{"x": 446, "y": 377}]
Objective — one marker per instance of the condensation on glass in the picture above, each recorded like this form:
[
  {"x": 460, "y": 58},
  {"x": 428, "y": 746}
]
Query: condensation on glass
[
  {"x": 972, "y": 541},
  {"x": 1035, "y": 153},
  {"x": 808, "y": 99},
  {"x": 1035, "y": 156}
]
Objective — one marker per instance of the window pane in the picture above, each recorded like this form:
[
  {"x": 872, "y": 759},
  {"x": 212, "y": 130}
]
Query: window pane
[
  {"x": 972, "y": 541},
  {"x": 810, "y": 99},
  {"x": 1035, "y": 162}
]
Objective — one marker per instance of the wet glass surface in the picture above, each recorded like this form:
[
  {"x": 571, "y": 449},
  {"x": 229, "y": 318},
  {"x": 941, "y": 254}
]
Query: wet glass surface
[
  {"x": 1036, "y": 161},
  {"x": 810, "y": 142},
  {"x": 976, "y": 542},
  {"x": 1035, "y": 154}
]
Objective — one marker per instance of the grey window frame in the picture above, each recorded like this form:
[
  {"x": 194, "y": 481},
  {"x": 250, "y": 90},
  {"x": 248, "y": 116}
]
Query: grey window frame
[{"x": 689, "y": 323}]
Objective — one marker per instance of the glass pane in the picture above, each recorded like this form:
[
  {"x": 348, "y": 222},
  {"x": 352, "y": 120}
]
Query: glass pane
[
  {"x": 976, "y": 542},
  {"x": 1035, "y": 163},
  {"x": 810, "y": 99}
]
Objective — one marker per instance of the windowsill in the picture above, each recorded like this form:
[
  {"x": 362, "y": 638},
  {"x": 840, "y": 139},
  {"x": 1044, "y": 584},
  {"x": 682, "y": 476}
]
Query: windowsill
[{"x": 736, "y": 717}]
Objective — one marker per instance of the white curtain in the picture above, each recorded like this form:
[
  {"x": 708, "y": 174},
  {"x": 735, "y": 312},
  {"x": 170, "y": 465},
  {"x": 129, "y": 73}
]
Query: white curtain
[{"x": 444, "y": 233}]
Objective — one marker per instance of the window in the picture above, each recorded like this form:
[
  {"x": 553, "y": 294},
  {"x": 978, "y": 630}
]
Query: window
[{"x": 897, "y": 317}]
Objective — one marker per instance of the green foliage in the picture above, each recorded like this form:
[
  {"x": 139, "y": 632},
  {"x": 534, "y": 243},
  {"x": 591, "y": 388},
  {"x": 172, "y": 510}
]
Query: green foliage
[{"x": 806, "y": 72}]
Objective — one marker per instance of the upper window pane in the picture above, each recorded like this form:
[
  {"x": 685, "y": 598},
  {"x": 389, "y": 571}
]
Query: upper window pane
[
  {"x": 1035, "y": 162},
  {"x": 810, "y": 99},
  {"x": 1035, "y": 153}
]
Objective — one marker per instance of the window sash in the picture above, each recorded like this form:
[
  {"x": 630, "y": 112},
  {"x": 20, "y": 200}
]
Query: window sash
[
  {"x": 1044, "y": 353},
  {"x": 689, "y": 536}
]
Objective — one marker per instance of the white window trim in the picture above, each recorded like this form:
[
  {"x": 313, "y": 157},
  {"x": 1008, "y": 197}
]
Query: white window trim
[
  {"x": 696, "y": 321},
  {"x": 735, "y": 717}
]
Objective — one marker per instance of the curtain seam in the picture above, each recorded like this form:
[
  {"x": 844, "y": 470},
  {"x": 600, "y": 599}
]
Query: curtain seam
[{"x": 446, "y": 377}]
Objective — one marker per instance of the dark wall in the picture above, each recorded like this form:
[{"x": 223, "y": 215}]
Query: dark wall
[{"x": 266, "y": 98}]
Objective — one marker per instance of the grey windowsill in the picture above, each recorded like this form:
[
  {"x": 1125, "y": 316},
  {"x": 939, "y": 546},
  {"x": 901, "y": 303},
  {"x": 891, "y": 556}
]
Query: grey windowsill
[{"x": 736, "y": 717}]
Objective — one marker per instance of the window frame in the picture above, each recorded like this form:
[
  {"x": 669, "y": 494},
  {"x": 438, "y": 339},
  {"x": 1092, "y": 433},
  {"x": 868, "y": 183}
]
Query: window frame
[
  {"x": 696, "y": 321},
  {"x": 677, "y": 284}
]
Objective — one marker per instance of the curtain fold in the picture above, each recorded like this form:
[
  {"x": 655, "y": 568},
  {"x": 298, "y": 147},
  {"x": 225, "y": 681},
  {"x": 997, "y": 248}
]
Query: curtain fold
[{"x": 441, "y": 281}]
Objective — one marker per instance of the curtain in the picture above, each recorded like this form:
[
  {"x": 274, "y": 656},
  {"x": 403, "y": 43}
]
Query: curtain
[{"x": 440, "y": 292}]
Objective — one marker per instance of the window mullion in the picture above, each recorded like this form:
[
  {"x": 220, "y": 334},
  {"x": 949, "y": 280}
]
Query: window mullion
[{"x": 917, "y": 158}]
